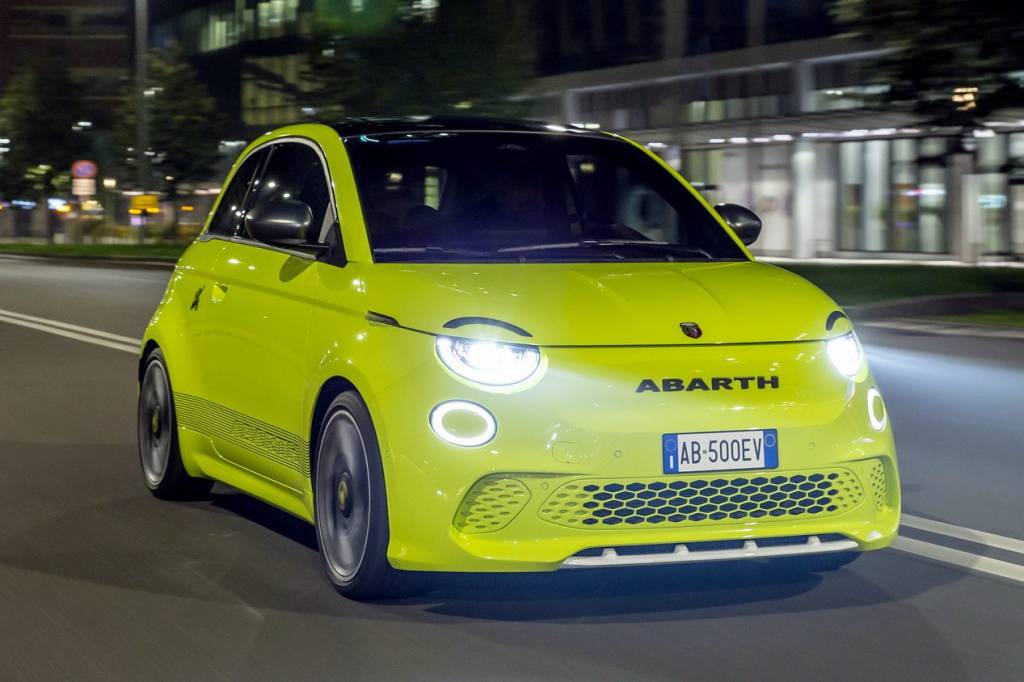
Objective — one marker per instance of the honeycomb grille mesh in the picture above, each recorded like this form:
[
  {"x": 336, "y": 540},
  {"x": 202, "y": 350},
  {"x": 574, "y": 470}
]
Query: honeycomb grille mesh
[
  {"x": 491, "y": 504},
  {"x": 878, "y": 485},
  {"x": 610, "y": 503}
]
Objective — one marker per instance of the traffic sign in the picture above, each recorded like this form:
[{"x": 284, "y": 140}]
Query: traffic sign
[
  {"x": 83, "y": 187},
  {"x": 144, "y": 203},
  {"x": 83, "y": 169}
]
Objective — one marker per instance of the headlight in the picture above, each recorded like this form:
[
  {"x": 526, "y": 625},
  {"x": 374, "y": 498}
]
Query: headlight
[
  {"x": 488, "y": 362},
  {"x": 845, "y": 354}
]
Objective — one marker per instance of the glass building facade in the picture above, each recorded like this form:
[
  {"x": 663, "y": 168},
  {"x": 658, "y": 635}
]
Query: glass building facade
[{"x": 763, "y": 103}]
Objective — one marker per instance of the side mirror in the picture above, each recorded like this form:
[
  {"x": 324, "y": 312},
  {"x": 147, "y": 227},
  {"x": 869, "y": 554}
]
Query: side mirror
[
  {"x": 742, "y": 220},
  {"x": 284, "y": 222}
]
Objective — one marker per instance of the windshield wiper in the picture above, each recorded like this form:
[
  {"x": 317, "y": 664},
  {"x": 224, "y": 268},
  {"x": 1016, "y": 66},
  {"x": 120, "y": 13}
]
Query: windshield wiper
[{"x": 670, "y": 250}]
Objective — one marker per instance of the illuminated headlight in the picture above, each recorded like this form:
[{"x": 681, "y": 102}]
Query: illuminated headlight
[
  {"x": 488, "y": 362},
  {"x": 845, "y": 354}
]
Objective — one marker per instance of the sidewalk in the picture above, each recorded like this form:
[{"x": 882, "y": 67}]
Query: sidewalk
[{"x": 94, "y": 261}]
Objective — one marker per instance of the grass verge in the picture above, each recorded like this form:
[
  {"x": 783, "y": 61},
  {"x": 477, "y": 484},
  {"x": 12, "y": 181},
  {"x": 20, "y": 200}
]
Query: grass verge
[
  {"x": 134, "y": 251},
  {"x": 858, "y": 284}
]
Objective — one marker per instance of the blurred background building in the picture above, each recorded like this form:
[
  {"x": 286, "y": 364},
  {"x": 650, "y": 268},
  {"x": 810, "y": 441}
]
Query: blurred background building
[
  {"x": 251, "y": 52},
  {"x": 93, "y": 37},
  {"x": 766, "y": 103}
]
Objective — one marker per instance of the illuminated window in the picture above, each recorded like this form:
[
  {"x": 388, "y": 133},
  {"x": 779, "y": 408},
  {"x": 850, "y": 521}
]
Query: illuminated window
[
  {"x": 432, "y": 187},
  {"x": 425, "y": 8}
]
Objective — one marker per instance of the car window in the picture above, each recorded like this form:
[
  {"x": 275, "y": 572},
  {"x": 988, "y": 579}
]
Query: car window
[
  {"x": 295, "y": 172},
  {"x": 231, "y": 209},
  {"x": 612, "y": 194},
  {"x": 479, "y": 197}
]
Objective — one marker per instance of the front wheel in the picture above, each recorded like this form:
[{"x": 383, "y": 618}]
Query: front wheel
[
  {"x": 350, "y": 503},
  {"x": 159, "y": 452}
]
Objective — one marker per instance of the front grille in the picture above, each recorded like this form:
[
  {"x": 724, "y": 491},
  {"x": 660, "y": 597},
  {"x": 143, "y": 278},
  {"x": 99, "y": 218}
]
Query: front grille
[
  {"x": 878, "y": 484},
  {"x": 629, "y": 503},
  {"x": 491, "y": 504}
]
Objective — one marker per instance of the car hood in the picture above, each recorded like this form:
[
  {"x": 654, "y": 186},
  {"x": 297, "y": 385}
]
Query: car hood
[{"x": 603, "y": 304}]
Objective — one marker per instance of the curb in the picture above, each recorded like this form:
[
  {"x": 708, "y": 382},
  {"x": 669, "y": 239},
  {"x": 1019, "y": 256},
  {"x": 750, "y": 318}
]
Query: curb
[
  {"x": 934, "y": 328},
  {"x": 94, "y": 261}
]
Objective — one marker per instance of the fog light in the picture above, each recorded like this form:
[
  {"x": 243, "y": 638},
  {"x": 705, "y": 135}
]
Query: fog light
[
  {"x": 876, "y": 409},
  {"x": 463, "y": 423}
]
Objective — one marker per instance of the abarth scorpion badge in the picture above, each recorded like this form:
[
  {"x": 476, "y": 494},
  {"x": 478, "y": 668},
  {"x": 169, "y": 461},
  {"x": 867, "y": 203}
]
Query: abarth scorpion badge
[{"x": 691, "y": 329}]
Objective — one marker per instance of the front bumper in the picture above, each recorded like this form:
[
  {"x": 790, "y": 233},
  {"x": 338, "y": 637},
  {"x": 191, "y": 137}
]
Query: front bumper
[
  {"x": 575, "y": 467},
  {"x": 515, "y": 521},
  {"x": 524, "y": 522}
]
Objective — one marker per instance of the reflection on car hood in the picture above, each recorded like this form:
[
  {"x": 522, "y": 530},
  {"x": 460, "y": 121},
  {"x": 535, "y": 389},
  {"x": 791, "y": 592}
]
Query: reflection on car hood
[{"x": 599, "y": 304}]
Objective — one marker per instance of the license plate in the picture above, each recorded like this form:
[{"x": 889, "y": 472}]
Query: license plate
[{"x": 685, "y": 453}]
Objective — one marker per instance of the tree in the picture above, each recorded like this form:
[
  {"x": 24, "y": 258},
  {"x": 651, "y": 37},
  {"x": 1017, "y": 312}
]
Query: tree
[
  {"x": 951, "y": 61},
  {"x": 37, "y": 113},
  {"x": 185, "y": 127},
  {"x": 400, "y": 57}
]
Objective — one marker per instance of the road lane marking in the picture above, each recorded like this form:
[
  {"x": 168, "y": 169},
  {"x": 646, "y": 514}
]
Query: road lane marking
[
  {"x": 71, "y": 327},
  {"x": 978, "y": 537},
  {"x": 956, "y": 557},
  {"x": 96, "y": 340}
]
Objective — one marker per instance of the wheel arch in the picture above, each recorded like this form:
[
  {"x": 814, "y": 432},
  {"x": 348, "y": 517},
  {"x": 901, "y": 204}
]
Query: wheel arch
[
  {"x": 148, "y": 348},
  {"x": 329, "y": 390}
]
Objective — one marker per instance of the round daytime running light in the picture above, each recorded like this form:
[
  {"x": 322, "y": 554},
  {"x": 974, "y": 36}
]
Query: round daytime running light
[
  {"x": 876, "y": 410},
  {"x": 845, "y": 354},
  {"x": 488, "y": 362},
  {"x": 488, "y": 427}
]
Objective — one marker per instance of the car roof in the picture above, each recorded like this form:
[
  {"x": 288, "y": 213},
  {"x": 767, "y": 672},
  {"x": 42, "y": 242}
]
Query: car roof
[{"x": 351, "y": 127}]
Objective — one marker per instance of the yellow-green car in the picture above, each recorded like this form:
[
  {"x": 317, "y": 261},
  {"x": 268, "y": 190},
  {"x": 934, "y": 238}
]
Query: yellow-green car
[{"x": 476, "y": 345}]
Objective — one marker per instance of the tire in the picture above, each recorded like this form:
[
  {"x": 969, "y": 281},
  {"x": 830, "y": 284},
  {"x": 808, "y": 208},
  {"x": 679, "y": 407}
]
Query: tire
[
  {"x": 350, "y": 504},
  {"x": 159, "y": 452}
]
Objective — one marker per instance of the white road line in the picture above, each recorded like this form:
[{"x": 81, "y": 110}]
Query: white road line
[
  {"x": 134, "y": 350},
  {"x": 956, "y": 557},
  {"x": 978, "y": 537},
  {"x": 71, "y": 327}
]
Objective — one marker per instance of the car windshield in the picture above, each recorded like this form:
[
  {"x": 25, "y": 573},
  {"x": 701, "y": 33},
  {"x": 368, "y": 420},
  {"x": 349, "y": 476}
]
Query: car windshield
[{"x": 526, "y": 197}]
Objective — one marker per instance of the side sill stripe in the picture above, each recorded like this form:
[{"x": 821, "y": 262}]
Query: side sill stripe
[{"x": 265, "y": 440}]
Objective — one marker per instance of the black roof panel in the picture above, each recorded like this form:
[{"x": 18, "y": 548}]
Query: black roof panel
[{"x": 420, "y": 124}]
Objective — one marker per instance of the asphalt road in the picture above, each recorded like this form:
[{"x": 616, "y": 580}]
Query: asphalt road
[{"x": 98, "y": 580}]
